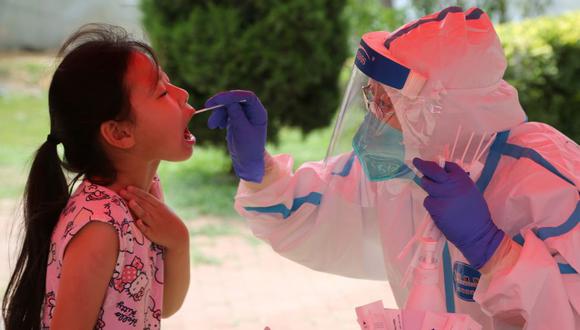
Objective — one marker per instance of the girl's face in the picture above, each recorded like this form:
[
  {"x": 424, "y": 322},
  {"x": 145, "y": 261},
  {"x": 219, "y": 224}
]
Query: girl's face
[{"x": 161, "y": 112}]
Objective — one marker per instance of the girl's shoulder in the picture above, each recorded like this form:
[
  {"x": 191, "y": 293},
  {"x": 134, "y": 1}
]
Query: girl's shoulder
[
  {"x": 98, "y": 203},
  {"x": 92, "y": 202}
]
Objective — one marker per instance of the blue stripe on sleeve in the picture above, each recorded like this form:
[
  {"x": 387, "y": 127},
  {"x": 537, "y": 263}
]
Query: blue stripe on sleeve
[
  {"x": 517, "y": 152},
  {"x": 566, "y": 269},
  {"x": 547, "y": 232},
  {"x": 312, "y": 198},
  {"x": 544, "y": 233},
  {"x": 492, "y": 160}
]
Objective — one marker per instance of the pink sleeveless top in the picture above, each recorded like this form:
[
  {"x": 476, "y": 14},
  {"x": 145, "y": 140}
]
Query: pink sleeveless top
[{"x": 135, "y": 293}]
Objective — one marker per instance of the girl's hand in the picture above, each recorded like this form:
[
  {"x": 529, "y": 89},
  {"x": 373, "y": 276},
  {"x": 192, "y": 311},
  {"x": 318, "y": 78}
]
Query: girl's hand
[{"x": 156, "y": 220}]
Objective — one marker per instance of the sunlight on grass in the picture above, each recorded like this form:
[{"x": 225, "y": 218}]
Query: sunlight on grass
[
  {"x": 311, "y": 147},
  {"x": 23, "y": 127}
]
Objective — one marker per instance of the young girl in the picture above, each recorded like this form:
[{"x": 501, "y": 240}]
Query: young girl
[{"x": 90, "y": 259}]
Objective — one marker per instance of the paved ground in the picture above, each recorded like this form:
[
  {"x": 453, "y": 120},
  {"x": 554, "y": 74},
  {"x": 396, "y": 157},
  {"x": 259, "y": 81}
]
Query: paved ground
[{"x": 251, "y": 287}]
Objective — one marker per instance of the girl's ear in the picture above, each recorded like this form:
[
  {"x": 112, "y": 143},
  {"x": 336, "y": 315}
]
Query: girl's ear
[{"x": 118, "y": 134}]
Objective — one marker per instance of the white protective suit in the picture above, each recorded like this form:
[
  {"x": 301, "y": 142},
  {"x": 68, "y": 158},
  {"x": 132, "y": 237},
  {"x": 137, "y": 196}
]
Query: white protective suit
[{"x": 530, "y": 178}]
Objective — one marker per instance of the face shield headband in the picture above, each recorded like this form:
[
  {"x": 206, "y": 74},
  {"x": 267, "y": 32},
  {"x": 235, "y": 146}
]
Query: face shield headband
[{"x": 379, "y": 65}]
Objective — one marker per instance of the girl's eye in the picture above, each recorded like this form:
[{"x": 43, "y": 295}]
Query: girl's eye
[{"x": 163, "y": 94}]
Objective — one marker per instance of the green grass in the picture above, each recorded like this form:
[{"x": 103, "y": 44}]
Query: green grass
[
  {"x": 311, "y": 147},
  {"x": 200, "y": 185},
  {"x": 23, "y": 126}
]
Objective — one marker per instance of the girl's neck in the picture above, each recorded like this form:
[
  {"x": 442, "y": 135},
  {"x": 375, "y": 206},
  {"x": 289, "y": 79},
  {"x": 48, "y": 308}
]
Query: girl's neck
[{"x": 139, "y": 176}]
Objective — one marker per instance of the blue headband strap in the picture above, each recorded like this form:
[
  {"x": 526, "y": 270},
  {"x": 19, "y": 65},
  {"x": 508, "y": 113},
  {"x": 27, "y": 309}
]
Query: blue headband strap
[{"x": 380, "y": 68}]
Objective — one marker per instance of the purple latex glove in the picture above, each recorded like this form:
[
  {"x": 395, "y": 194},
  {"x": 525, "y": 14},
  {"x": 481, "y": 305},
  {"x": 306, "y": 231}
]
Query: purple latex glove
[
  {"x": 459, "y": 210},
  {"x": 246, "y": 125}
]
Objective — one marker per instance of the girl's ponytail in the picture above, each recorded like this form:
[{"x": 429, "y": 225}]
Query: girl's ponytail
[{"x": 45, "y": 195}]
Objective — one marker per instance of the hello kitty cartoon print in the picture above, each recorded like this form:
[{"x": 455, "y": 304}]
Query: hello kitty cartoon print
[{"x": 137, "y": 281}]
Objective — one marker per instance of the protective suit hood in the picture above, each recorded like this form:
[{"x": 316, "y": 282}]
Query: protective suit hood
[{"x": 443, "y": 75}]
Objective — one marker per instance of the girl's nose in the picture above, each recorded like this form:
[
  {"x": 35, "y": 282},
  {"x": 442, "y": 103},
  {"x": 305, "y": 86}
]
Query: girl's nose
[
  {"x": 185, "y": 95},
  {"x": 189, "y": 110}
]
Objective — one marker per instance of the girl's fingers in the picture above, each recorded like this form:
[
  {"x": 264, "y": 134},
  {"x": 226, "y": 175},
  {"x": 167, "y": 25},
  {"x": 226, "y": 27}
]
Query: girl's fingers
[
  {"x": 143, "y": 196},
  {"x": 143, "y": 227},
  {"x": 125, "y": 194},
  {"x": 137, "y": 209},
  {"x": 135, "y": 197}
]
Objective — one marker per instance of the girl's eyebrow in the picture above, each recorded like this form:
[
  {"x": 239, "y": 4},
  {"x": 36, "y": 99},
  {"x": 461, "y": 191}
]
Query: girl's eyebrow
[
  {"x": 164, "y": 77},
  {"x": 156, "y": 88}
]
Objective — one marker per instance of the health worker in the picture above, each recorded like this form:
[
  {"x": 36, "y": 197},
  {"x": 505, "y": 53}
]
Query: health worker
[{"x": 427, "y": 129}]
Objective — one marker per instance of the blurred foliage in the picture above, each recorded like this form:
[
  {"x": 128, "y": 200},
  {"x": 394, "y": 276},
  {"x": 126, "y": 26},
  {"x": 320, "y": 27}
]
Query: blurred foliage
[
  {"x": 497, "y": 10},
  {"x": 544, "y": 65},
  {"x": 370, "y": 15},
  {"x": 200, "y": 185},
  {"x": 289, "y": 52}
]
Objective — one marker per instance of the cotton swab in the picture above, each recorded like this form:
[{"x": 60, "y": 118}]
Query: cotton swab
[{"x": 197, "y": 112}]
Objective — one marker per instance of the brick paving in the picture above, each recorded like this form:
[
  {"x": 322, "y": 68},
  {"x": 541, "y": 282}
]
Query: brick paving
[{"x": 251, "y": 287}]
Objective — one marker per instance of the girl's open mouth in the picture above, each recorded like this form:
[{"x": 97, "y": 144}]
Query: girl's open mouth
[{"x": 187, "y": 136}]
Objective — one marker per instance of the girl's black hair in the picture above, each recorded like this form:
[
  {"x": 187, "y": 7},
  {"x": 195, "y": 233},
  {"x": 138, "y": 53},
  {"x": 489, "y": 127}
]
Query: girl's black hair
[{"x": 87, "y": 89}]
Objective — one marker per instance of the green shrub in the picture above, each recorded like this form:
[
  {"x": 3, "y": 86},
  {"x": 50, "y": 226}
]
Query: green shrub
[
  {"x": 544, "y": 65},
  {"x": 289, "y": 52},
  {"x": 370, "y": 15}
]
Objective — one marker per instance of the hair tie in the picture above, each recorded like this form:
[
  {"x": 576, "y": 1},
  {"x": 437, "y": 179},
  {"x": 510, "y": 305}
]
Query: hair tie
[{"x": 51, "y": 138}]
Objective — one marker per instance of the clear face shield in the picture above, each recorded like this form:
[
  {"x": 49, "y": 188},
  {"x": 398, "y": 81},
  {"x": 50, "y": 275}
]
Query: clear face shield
[
  {"x": 368, "y": 126},
  {"x": 391, "y": 114}
]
